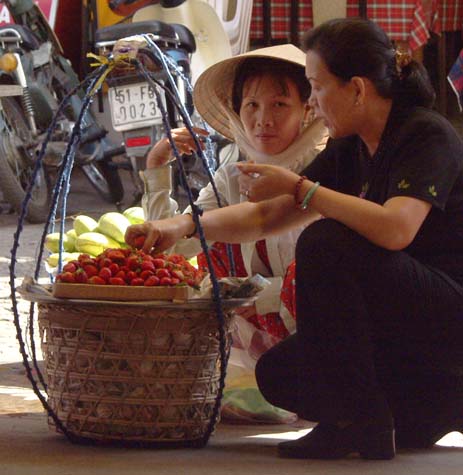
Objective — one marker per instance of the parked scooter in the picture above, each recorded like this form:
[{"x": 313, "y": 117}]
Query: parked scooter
[
  {"x": 132, "y": 102},
  {"x": 34, "y": 78}
]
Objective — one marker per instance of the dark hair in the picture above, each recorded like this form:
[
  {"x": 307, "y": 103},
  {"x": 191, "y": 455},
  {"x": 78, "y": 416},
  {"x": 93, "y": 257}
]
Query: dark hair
[
  {"x": 358, "y": 47},
  {"x": 280, "y": 70}
]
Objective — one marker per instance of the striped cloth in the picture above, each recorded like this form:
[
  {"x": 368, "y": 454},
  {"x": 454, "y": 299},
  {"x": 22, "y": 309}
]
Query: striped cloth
[
  {"x": 403, "y": 20},
  {"x": 450, "y": 15}
]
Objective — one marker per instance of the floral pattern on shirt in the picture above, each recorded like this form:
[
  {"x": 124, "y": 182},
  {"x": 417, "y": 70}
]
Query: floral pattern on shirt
[{"x": 403, "y": 185}]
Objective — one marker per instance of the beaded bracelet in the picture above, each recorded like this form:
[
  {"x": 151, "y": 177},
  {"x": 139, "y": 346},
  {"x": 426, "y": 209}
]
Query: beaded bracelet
[
  {"x": 308, "y": 196},
  {"x": 297, "y": 189}
]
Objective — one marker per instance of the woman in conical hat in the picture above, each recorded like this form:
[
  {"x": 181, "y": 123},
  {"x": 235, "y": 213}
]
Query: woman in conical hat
[{"x": 259, "y": 101}]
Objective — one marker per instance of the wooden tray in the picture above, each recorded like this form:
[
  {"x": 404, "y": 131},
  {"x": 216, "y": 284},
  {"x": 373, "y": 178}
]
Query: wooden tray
[{"x": 121, "y": 292}]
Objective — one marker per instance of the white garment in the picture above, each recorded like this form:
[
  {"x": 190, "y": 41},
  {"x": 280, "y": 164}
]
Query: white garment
[{"x": 158, "y": 204}]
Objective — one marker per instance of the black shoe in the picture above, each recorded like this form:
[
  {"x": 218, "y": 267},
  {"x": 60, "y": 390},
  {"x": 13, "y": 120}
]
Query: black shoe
[{"x": 328, "y": 441}]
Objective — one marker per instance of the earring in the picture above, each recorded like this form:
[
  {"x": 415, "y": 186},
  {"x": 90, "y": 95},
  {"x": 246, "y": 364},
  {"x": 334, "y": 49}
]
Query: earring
[{"x": 308, "y": 116}]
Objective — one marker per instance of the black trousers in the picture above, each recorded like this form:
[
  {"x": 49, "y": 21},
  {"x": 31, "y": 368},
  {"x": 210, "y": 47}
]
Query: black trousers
[{"x": 360, "y": 309}]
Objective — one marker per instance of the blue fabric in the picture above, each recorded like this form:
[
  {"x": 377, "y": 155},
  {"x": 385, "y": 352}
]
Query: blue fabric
[{"x": 455, "y": 78}]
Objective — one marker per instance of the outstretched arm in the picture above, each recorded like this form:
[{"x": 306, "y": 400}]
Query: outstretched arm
[{"x": 237, "y": 223}]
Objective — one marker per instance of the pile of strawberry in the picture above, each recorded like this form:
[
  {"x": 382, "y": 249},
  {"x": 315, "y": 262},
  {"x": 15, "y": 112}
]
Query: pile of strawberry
[{"x": 131, "y": 267}]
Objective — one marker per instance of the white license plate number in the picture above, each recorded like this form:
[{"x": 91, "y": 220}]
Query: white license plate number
[{"x": 134, "y": 106}]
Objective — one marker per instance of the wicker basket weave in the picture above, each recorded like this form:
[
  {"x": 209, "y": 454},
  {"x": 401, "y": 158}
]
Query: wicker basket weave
[{"x": 132, "y": 373}]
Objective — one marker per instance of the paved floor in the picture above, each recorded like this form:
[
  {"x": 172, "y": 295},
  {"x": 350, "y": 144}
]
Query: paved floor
[{"x": 27, "y": 446}]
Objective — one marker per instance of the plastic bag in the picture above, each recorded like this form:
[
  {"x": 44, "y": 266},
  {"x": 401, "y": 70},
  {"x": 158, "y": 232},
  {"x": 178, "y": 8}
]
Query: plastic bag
[{"x": 242, "y": 401}]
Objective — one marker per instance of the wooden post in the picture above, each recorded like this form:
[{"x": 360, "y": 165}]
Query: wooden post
[
  {"x": 294, "y": 22},
  {"x": 267, "y": 21},
  {"x": 442, "y": 73},
  {"x": 363, "y": 8}
]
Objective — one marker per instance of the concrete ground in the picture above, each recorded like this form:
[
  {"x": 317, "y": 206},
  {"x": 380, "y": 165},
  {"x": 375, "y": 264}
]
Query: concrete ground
[{"x": 27, "y": 446}]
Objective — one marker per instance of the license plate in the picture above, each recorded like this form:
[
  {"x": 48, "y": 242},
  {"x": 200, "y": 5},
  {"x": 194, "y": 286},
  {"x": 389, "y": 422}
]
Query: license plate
[{"x": 134, "y": 106}]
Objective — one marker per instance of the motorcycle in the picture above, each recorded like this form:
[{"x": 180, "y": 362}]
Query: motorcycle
[
  {"x": 34, "y": 79},
  {"x": 132, "y": 102}
]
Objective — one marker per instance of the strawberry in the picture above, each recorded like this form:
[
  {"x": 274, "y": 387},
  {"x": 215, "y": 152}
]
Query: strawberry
[
  {"x": 105, "y": 273},
  {"x": 67, "y": 277},
  {"x": 90, "y": 270},
  {"x": 96, "y": 280},
  {"x": 116, "y": 255},
  {"x": 116, "y": 281},
  {"x": 159, "y": 263},
  {"x": 152, "y": 281},
  {"x": 104, "y": 262},
  {"x": 186, "y": 265},
  {"x": 88, "y": 262},
  {"x": 161, "y": 273},
  {"x": 145, "y": 274},
  {"x": 129, "y": 276},
  {"x": 175, "y": 258},
  {"x": 139, "y": 241},
  {"x": 114, "y": 268},
  {"x": 80, "y": 276},
  {"x": 69, "y": 267},
  {"x": 147, "y": 265},
  {"x": 165, "y": 281},
  {"x": 133, "y": 262},
  {"x": 120, "y": 274},
  {"x": 178, "y": 274},
  {"x": 137, "y": 281}
]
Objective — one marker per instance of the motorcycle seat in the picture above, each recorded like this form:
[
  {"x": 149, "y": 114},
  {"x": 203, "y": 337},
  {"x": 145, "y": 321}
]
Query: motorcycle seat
[
  {"x": 173, "y": 34},
  {"x": 29, "y": 40}
]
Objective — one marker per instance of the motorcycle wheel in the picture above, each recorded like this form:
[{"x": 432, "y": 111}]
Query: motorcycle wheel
[
  {"x": 105, "y": 178},
  {"x": 93, "y": 158},
  {"x": 17, "y": 162}
]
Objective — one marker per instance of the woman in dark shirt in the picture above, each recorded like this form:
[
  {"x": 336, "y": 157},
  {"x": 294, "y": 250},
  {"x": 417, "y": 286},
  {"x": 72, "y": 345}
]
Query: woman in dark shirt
[{"x": 379, "y": 267}]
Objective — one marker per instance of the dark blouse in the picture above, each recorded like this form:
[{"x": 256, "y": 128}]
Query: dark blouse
[{"x": 420, "y": 155}]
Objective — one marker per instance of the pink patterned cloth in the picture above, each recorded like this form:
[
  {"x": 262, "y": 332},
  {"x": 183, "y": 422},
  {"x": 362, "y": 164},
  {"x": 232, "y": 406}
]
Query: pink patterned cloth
[
  {"x": 288, "y": 289},
  {"x": 270, "y": 323}
]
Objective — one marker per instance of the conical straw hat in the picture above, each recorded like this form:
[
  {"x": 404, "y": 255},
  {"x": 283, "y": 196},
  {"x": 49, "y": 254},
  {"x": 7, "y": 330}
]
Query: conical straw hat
[{"x": 213, "y": 88}]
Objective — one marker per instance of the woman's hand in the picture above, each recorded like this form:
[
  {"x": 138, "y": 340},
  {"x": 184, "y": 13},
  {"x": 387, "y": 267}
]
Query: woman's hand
[
  {"x": 162, "y": 152},
  {"x": 262, "y": 182},
  {"x": 161, "y": 234}
]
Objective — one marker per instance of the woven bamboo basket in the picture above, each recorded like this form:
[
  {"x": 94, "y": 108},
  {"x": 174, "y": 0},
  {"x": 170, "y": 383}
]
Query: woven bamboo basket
[{"x": 133, "y": 374}]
